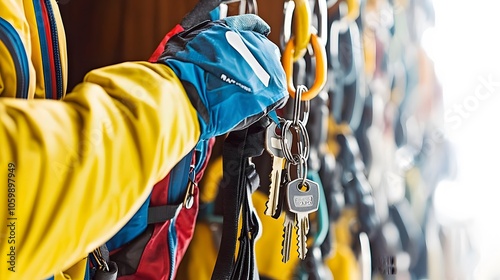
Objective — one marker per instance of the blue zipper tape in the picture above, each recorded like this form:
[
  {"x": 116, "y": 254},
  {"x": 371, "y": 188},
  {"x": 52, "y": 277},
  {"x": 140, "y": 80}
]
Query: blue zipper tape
[
  {"x": 11, "y": 39},
  {"x": 55, "y": 48},
  {"x": 47, "y": 74}
]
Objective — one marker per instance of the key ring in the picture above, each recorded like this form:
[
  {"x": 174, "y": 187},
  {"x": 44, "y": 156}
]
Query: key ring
[
  {"x": 301, "y": 169},
  {"x": 299, "y": 127},
  {"x": 303, "y": 142}
]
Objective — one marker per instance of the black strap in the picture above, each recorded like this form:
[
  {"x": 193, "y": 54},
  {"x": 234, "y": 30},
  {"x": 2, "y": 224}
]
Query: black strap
[
  {"x": 162, "y": 213},
  {"x": 239, "y": 146},
  {"x": 199, "y": 13},
  {"x": 245, "y": 267},
  {"x": 130, "y": 254},
  {"x": 112, "y": 274},
  {"x": 104, "y": 269}
]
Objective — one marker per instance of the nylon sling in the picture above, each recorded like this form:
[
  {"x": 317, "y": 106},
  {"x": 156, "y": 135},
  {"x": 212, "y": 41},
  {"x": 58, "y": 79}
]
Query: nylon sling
[{"x": 239, "y": 180}]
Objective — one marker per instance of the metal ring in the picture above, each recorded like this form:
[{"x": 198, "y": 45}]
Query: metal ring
[
  {"x": 301, "y": 167},
  {"x": 307, "y": 109},
  {"x": 288, "y": 167},
  {"x": 304, "y": 177},
  {"x": 287, "y": 152},
  {"x": 303, "y": 170},
  {"x": 297, "y": 106},
  {"x": 306, "y": 142},
  {"x": 304, "y": 148},
  {"x": 296, "y": 103}
]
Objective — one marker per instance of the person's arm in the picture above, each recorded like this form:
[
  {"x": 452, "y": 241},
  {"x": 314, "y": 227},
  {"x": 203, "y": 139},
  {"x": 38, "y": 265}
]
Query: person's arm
[{"x": 83, "y": 166}]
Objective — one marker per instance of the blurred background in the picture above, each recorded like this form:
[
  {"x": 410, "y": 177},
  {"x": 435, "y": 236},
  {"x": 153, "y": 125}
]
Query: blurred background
[
  {"x": 464, "y": 48},
  {"x": 434, "y": 65}
]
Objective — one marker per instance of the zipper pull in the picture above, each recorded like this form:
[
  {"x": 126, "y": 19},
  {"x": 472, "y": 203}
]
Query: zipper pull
[{"x": 189, "y": 198}]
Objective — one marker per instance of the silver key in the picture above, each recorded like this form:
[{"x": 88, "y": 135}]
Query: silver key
[
  {"x": 273, "y": 146},
  {"x": 302, "y": 199},
  {"x": 287, "y": 235}
]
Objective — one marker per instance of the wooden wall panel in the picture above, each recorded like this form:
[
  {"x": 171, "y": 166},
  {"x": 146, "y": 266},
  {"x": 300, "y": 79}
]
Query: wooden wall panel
[{"x": 104, "y": 32}]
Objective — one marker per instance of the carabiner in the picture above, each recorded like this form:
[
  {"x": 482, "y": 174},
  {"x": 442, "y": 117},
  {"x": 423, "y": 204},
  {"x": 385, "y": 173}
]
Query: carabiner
[
  {"x": 320, "y": 13},
  {"x": 189, "y": 197},
  {"x": 286, "y": 33},
  {"x": 248, "y": 7},
  {"x": 320, "y": 54},
  {"x": 355, "y": 45},
  {"x": 352, "y": 9},
  {"x": 302, "y": 22}
]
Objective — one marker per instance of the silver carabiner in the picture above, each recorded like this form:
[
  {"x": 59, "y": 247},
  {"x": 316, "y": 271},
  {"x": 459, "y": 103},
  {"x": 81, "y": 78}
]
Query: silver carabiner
[
  {"x": 248, "y": 7},
  {"x": 297, "y": 107},
  {"x": 189, "y": 197},
  {"x": 286, "y": 32}
]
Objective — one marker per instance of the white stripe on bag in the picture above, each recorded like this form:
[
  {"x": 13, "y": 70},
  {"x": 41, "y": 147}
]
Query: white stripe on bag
[{"x": 235, "y": 41}]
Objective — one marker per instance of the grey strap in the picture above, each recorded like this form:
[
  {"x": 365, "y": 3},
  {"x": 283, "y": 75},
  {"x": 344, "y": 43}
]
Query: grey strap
[{"x": 163, "y": 213}]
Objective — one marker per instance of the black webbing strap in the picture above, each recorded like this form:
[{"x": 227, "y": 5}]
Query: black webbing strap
[
  {"x": 245, "y": 267},
  {"x": 104, "y": 269},
  {"x": 199, "y": 13},
  {"x": 162, "y": 213},
  {"x": 237, "y": 184}
]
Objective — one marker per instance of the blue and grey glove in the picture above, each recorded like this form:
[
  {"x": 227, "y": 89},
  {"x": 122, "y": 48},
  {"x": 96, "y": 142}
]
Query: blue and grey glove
[{"x": 230, "y": 71}]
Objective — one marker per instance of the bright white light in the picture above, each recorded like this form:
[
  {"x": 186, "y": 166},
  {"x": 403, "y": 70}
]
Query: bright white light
[
  {"x": 450, "y": 204},
  {"x": 465, "y": 47},
  {"x": 428, "y": 42}
]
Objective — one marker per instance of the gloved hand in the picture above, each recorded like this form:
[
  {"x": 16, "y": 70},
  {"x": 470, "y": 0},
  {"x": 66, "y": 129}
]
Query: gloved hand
[{"x": 230, "y": 71}]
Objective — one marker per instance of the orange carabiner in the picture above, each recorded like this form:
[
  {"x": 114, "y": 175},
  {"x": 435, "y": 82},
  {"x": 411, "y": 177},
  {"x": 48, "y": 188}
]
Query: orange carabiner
[{"x": 319, "y": 53}]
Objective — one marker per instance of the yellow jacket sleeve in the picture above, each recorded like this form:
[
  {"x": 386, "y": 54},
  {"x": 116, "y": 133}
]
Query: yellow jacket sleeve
[{"x": 73, "y": 172}]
